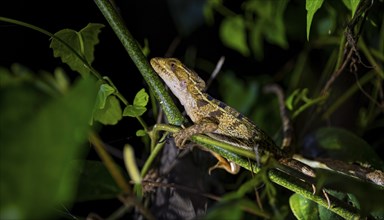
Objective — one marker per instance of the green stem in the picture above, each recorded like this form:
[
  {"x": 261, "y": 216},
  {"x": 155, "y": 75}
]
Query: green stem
[
  {"x": 370, "y": 58},
  {"x": 304, "y": 189},
  {"x": 154, "y": 152},
  {"x": 289, "y": 182},
  {"x": 173, "y": 114}
]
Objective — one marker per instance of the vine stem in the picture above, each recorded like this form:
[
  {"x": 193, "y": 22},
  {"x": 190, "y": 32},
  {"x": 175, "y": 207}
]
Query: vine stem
[
  {"x": 174, "y": 116},
  {"x": 277, "y": 176}
]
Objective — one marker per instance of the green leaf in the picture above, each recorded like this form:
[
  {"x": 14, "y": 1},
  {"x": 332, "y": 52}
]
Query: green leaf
[
  {"x": 39, "y": 136},
  {"x": 141, "y": 133},
  {"x": 289, "y": 102},
  {"x": 110, "y": 114},
  {"x": 95, "y": 182},
  {"x": 145, "y": 49},
  {"x": 352, "y": 5},
  {"x": 138, "y": 108},
  {"x": 275, "y": 28},
  {"x": 141, "y": 98},
  {"x": 82, "y": 43},
  {"x": 344, "y": 145},
  {"x": 256, "y": 36},
  {"x": 301, "y": 95},
  {"x": 233, "y": 34},
  {"x": 104, "y": 92},
  {"x": 268, "y": 25},
  {"x": 303, "y": 208},
  {"x": 134, "y": 111},
  {"x": 311, "y": 6}
]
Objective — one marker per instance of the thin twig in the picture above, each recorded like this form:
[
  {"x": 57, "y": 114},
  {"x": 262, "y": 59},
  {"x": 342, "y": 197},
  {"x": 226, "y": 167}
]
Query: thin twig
[{"x": 215, "y": 72}]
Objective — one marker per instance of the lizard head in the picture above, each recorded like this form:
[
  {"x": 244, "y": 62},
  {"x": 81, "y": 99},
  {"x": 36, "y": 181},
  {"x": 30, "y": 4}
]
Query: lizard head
[{"x": 181, "y": 80}]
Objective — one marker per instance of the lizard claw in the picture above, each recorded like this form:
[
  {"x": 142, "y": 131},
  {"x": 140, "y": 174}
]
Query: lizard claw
[
  {"x": 180, "y": 138},
  {"x": 324, "y": 193}
]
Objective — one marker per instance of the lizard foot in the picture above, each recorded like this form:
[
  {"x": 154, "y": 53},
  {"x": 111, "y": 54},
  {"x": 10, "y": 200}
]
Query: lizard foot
[
  {"x": 223, "y": 163},
  {"x": 180, "y": 138}
]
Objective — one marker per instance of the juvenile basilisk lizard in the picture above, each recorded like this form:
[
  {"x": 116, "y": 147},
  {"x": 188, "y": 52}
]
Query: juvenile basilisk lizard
[
  {"x": 213, "y": 117},
  {"x": 221, "y": 122}
]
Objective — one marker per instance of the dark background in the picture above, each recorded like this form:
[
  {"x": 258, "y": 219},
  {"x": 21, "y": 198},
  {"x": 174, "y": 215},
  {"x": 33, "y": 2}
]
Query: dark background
[
  {"x": 161, "y": 24},
  {"x": 151, "y": 20}
]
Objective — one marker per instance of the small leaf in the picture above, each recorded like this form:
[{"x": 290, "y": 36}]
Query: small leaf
[
  {"x": 301, "y": 96},
  {"x": 289, "y": 102},
  {"x": 138, "y": 108},
  {"x": 130, "y": 164},
  {"x": 134, "y": 111},
  {"x": 104, "y": 92},
  {"x": 141, "y": 133},
  {"x": 82, "y": 42},
  {"x": 275, "y": 29},
  {"x": 141, "y": 98},
  {"x": 256, "y": 39},
  {"x": 233, "y": 34},
  {"x": 145, "y": 49},
  {"x": 311, "y": 6},
  {"x": 303, "y": 208},
  {"x": 110, "y": 114}
]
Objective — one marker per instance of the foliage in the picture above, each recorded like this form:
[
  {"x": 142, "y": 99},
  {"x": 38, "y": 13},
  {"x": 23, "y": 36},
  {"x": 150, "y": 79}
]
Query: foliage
[
  {"x": 45, "y": 119},
  {"x": 40, "y": 135}
]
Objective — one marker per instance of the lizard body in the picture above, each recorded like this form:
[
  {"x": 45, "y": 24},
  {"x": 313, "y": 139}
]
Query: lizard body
[
  {"x": 211, "y": 116},
  {"x": 221, "y": 122}
]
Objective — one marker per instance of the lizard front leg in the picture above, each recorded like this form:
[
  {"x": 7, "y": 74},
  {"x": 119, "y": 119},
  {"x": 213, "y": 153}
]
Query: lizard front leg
[{"x": 205, "y": 125}]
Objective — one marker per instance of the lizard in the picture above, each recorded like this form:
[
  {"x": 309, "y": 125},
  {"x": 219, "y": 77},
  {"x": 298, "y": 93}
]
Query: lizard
[
  {"x": 213, "y": 117},
  {"x": 222, "y": 122}
]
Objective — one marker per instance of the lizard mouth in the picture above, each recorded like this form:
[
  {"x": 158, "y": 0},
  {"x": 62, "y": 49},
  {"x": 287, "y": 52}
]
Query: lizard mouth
[{"x": 158, "y": 66}]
